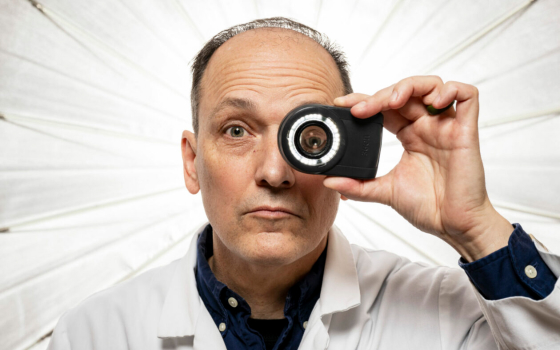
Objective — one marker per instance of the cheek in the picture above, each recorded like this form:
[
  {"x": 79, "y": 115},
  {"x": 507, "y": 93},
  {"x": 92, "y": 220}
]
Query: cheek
[
  {"x": 323, "y": 201},
  {"x": 223, "y": 180}
]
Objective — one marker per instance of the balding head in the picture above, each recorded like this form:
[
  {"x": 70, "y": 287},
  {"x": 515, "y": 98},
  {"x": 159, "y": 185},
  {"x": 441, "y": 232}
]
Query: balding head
[{"x": 203, "y": 58}]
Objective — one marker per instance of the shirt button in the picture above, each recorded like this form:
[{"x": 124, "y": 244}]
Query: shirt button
[
  {"x": 232, "y": 302},
  {"x": 530, "y": 271},
  {"x": 222, "y": 327},
  {"x": 305, "y": 325}
]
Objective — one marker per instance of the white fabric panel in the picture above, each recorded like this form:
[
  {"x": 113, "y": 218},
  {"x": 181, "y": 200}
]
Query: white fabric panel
[
  {"x": 95, "y": 95},
  {"x": 76, "y": 83},
  {"x": 135, "y": 42},
  {"x": 522, "y": 163},
  {"x": 67, "y": 237},
  {"x": 120, "y": 171}
]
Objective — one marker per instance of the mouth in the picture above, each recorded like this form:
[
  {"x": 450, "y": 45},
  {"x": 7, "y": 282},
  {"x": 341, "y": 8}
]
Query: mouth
[{"x": 269, "y": 212}]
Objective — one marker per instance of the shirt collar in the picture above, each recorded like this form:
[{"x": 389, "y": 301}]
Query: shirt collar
[
  {"x": 340, "y": 288},
  {"x": 301, "y": 297}
]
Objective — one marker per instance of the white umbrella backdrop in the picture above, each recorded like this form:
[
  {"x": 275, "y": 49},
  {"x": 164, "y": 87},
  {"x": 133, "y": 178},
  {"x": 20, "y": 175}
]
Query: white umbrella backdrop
[{"x": 94, "y": 96}]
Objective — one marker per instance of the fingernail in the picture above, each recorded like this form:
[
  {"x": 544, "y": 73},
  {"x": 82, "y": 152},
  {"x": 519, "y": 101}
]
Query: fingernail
[
  {"x": 394, "y": 96},
  {"x": 339, "y": 100},
  {"x": 360, "y": 106},
  {"x": 436, "y": 100}
]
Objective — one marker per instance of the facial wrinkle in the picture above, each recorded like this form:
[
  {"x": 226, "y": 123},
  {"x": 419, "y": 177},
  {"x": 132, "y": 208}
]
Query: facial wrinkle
[{"x": 272, "y": 76}]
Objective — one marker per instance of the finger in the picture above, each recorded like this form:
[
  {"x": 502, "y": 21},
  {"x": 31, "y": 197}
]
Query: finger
[
  {"x": 397, "y": 96},
  {"x": 376, "y": 190},
  {"x": 394, "y": 121},
  {"x": 415, "y": 108},
  {"x": 427, "y": 87},
  {"x": 373, "y": 104},
  {"x": 350, "y": 99},
  {"x": 467, "y": 101}
]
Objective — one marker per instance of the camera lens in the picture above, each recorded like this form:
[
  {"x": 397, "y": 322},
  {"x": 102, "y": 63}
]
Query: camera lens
[{"x": 313, "y": 139}]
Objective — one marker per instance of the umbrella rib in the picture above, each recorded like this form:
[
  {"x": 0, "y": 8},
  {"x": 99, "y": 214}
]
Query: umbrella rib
[
  {"x": 257, "y": 12},
  {"x": 69, "y": 170},
  {"x": 99, "y": 88},
  {"x": 83, "y": 208},
  {"x": 474, "y": 38},
  {"x": 107, "y": 132},
  {"x": 4, "y": 119},
  {"x": 398, "y": 236},
  {"x": 151, "y": 29},
  {"x": 386, "y": 20},
  {"x": 523, "y": 116},
  {"x": 160, "y": 254},
  {"x": 320, "y": 8},
  {"x": 524, "y": 209},
  {"x": 189, "y": 20},
  {"x": 96, "y": 248},
  {"x": 396, "y": 52},
  {"x": 42, "y": 230},
  {"x": 517, "y": 67},
  {"x": 84, "y": 36}
]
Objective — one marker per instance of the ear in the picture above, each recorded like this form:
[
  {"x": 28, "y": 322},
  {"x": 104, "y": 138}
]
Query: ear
[{"x": 188, "y": 149}]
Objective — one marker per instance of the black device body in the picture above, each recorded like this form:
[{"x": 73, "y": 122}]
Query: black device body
[{"x": 327, "y": 140}]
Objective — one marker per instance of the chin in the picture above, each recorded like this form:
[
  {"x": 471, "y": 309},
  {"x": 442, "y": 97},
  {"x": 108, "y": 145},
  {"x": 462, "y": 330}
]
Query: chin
[{"x": 273, "y": 248}]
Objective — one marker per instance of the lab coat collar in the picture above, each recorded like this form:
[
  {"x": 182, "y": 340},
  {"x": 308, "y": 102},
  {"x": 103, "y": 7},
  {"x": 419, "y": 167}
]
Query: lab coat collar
[
  {"x": 182, "y": 303},
  {"x": 181, "y": 310},
  {"x": 340, "y": 290}
]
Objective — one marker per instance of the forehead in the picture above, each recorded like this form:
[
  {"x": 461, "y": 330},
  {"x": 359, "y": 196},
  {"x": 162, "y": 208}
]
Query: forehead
[{"x": 270, "y": 61}]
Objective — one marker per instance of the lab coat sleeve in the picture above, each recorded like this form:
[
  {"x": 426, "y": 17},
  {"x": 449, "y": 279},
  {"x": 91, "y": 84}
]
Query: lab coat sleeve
[{"x": 524, "y": 323}]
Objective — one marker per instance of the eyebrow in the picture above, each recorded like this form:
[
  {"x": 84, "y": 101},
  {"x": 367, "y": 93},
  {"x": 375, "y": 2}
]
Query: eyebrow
[
  {"x": 239, "y": 103},
  {"x": 247, "y": 104}
]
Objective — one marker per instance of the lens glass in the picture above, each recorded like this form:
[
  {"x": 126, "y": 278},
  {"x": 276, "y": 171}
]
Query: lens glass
[{"x": 313, "y": 139}]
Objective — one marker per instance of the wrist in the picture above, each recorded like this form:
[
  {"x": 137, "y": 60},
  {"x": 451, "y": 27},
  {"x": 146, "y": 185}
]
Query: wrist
[{"x": 485, "y": 238}]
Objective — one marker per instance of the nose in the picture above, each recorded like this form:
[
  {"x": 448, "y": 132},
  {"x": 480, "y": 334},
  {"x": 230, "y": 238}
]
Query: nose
[{"x": 272, "y": 169}]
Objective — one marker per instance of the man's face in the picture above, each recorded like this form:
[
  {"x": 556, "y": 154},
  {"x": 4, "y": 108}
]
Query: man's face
[{"x": 262, "y": 210}]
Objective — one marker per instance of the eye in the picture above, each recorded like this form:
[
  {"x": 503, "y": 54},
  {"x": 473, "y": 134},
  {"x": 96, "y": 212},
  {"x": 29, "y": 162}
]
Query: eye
[{"x": 235, "y": 131}]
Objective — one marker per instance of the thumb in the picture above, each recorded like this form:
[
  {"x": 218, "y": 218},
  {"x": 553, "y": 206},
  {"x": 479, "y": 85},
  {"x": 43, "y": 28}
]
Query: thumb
[{"x": 375, "y": 190}]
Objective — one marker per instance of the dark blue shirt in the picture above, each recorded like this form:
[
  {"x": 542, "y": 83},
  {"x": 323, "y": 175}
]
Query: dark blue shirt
[
  {"x": 506, "y": 272},
  {"x": 237, "y": 333},
  {"x": 496, "y": 276}
]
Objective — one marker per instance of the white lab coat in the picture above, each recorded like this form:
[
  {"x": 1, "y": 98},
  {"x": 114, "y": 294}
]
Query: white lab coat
[{"x": 369, "y": 300}]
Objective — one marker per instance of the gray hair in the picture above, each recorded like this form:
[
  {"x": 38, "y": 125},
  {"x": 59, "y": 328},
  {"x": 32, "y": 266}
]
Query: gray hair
[{"x": 201, "y": 60}]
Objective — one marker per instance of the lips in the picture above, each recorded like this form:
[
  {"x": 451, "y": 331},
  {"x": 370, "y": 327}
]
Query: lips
[{"x": 270, "y": 211}]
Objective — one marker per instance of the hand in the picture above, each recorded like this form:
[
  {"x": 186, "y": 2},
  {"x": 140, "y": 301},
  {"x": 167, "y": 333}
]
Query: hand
[{"x": 438, "y": 185}]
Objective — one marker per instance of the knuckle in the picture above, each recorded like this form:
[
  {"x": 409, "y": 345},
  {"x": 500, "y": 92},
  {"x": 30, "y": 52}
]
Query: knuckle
[
  {"x": 452, "y": 86},
  {"x": 405, "y": 81},
  {"x": 475, "y": 91}
]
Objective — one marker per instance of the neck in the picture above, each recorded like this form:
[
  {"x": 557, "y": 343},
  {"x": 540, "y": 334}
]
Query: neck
[{"x": 266, "y": 296}]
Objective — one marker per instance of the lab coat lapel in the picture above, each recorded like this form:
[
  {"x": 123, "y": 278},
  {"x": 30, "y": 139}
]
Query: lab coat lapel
[
  {"x": 206, "y": 335},
  {"x": 181, "y": 308},
  {"x": 184, "y": 313},
  {"x": 340, "y": 291}
]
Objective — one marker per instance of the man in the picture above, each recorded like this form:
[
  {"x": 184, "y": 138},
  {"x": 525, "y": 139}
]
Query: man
[{"x": 270, "y": 271}]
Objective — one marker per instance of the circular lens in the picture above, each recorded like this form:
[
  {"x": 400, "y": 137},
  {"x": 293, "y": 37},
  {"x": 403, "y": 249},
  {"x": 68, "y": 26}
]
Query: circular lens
[{"x": 313, "y": 139}]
